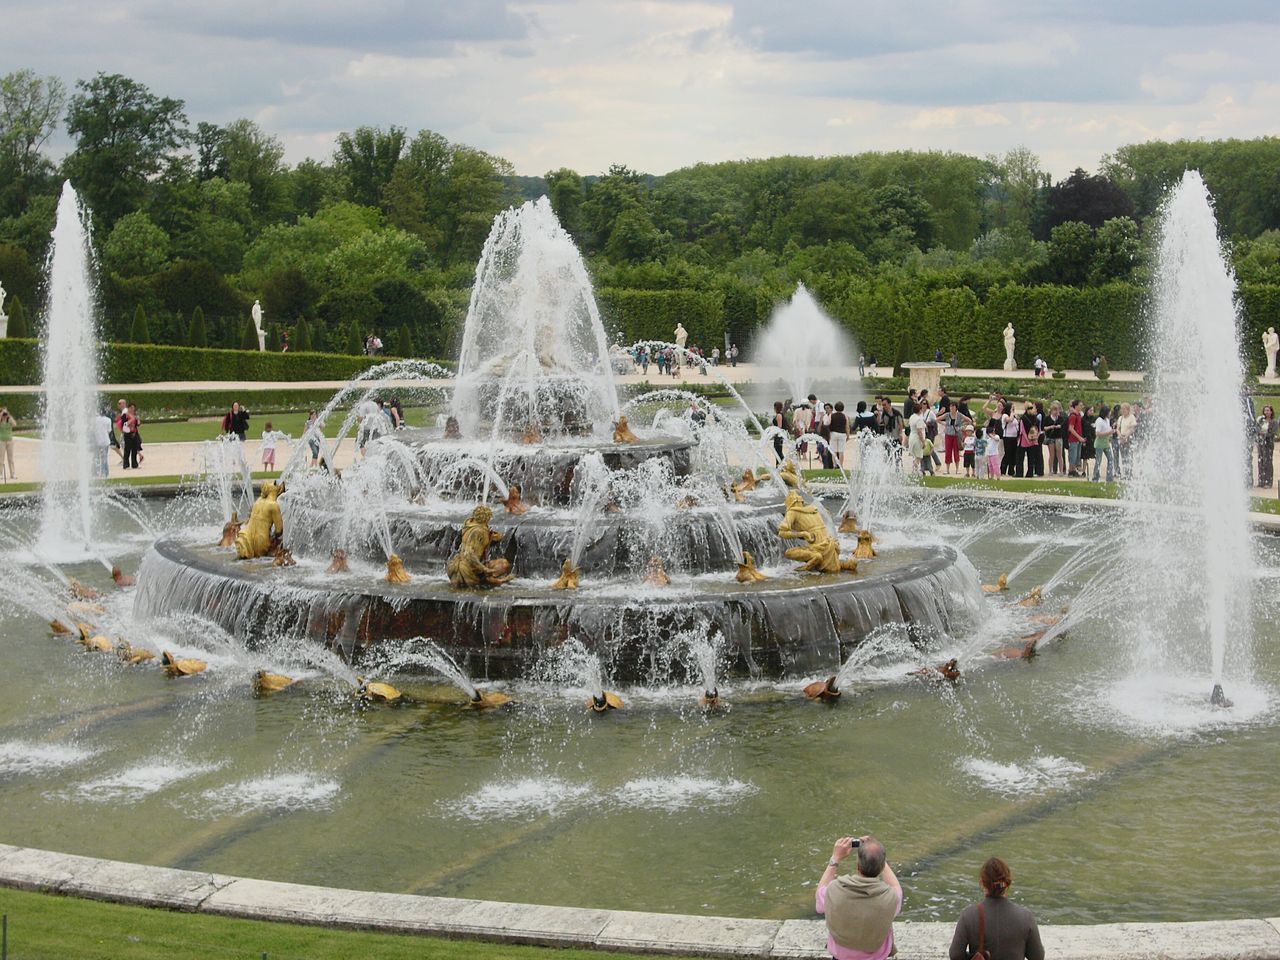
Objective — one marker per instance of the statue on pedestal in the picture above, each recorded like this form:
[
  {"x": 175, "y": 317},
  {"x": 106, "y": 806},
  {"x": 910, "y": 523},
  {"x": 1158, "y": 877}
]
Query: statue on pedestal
[
  {"x": 256, "y": 536},
  {"x": 468, "y": 567},
  {"x": 4, "y": 317},
  {"x": 681, "y": 335},
  {"x": 256, "y": 313},
  {"x": 1270, "y": 343},
  {"x": 1009, "y": 342}
]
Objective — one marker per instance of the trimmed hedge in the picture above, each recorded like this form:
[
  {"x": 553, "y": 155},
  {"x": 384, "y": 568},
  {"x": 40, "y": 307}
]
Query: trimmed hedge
[
  {"x": 147, "y": 363},
  {"x": 631, "y": 315}
]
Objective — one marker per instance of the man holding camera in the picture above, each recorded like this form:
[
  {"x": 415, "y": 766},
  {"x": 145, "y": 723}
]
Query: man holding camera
[{"x": 860, "y": 906}]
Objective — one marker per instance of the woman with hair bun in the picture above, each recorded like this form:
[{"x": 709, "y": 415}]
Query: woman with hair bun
[{"x": 996, "y": 929}]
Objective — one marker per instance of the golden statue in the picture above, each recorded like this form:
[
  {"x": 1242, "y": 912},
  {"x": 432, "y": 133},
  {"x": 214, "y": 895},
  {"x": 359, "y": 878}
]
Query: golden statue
[
  {"x": 58, "y": 627},
  {"x": 748, "y": 481},
  {"x": 568, "y": 579},
  {"x": 265, "y": 683},
  {"x": 81, "y": 592},
  {"x": 747, "y": 572},
  {"x": 488, "y": 700},
  {"x": 396, "y": 572},
  {"x": 339, "y": 562},
  {"x": 96, "y": 644},
  {"x": 254, "y": 539},
  {"x": 375, "y": 692},
  {"x": 1001, "y": 585},
  {"x": 656, "y": 575},
  {"x": 132, "y": 655},
  {"x": 513, "y": 503},
  {"x": 230, "y": 530},
  {"x": 468, "y": 567},
  {"x": 735, "y": 492},
  {"x": 606, "y": 701},
  {"x": 943, "y": 671},
  {"x": 711, "y": 700},
  {"x": 531, "y": 434},
  {"x": 1032, "y": 598},
  {"x": 848, "y": 523},
  {"x": 824, "y": 690},
  {"x": 181, "y": 666},
  {"x": 864, "y": 550},
  {"x": 622, "y": 433},
  {"x": 790, "y": 475},
  {"x": 284, "y": 557},
  {"x": 121, "y": 578},
  {"x": 822, "y": 552}
]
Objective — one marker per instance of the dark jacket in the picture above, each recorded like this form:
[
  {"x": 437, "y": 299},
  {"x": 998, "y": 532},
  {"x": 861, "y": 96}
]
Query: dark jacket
[{"x": 1011, "y": 932}]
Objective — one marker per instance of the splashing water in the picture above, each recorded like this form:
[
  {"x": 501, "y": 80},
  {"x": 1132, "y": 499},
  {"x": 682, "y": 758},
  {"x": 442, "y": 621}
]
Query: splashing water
[
  {"x": 70, "y": 342},
  {"x": 802, "y": 344},
  {"x": 1187, "y": 531}
]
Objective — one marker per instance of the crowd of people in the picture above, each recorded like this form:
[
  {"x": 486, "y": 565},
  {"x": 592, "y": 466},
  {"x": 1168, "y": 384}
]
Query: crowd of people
[
  {"x": 668, "y": 359},
  {"x": 1000, "y": 438},
  {"x": 860, "y": 906}
]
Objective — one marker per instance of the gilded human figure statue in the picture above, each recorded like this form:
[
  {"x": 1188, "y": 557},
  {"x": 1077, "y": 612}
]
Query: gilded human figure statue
[
  {"x": 747, "y": 572},
  {"x": 254, "y": 538},
  {"x": 622, "y": 432},
  {"x": 865, "y": 550},
  {"x": 821, "y": 551},
  {"x": 468, "y": 567},
  {"x": 568, "y": 579},
  {"x": 790, "y": 475}
]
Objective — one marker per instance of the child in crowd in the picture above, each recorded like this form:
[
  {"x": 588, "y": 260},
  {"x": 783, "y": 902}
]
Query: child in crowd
[
  {"x": 269, "y": 437},
  {"x": 994, "y": 453},
  {"x": 969, "y": 447},
  {"x": 979, "y": 455}
]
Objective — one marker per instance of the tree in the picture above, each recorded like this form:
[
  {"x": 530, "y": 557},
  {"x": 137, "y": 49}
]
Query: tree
[
  {"x": 139, "y": 333},
  {"x": 17, "y": 320},
  {"x": 1084, "y": 199},
  {"x": 123, "y": 132},
  {"x": 355, "y": 339},
  {"x": 904, "y": 352},
  {"x": 251, "y": 156},
  {"x": 135, "y": 247},
  {"x": 290, "y": 293},
  {"x": 566, "y": 193},
  {"x": 404, "y": 344},
  {"x": 197, "y": 336},
  {"x": 210, "y": 161},
  {"x": 249, "y": 339},
  {"x": 273, "y": 337},
  {"x": 181, "y": 336},
  {"x": 366, "y": 158},
  {"x": 30, "y": 106},
  {"x": 302, "y": 335},
  {"x": 1117, "y": 249},
  {"x": 1072, "y": 248}
]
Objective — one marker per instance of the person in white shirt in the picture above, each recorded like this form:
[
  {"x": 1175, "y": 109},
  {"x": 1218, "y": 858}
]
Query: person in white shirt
[
  {"x": 103, "y": 434},
  {"x": 1102, "y": 444}
]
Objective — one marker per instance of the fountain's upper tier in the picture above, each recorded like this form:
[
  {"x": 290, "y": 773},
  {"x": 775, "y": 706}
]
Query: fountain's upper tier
[{"x": 534, "y": 352}]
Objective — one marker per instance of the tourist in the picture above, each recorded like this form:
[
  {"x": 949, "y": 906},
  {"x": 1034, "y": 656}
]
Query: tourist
[
  {"x": 970, "y": 449},
  {"x": 733, "y": 354},
  {"x": 780, "y": 422},
  {"x": 918, "y": 443},
  {"x": 871, "y": 366},
  {"x": 838, "y": 429},
  {"x": 1093, "y": 364},
  {"x": 1029, "y": 440},
  {"x": 1055, "y": 425},
  {"x": 930, "y": 430},
  {"x": 269, "y": 438},
  {"x": 1087, "y": 452},
  {"x": 955, "y": 361},
  {"x": 1075, "y": 438},
  {"x": 314, "y": 434},
  {"x": 1102, "y": 434},
  {"x": 7, "y": 423},
  {"x": 236, "y": 421},
  {"x": 1010, "y": 427},
  {"x": 864, "y": 419},
  {"x": 643, "y": 359},
  {"x": 1265, "y": 440},
  {"x": 103, "y": 437},
  {"x": 937, "y": 355},
  {"x": 862, "y": 366},
  {"x": 953, "y": 424},
  {"x": 131, "y": 435},
  {"x": 994, "y": 450},
  {"x": 715, "y": 356},
  {"x": 859, "y": 907},
  {"x": 1126, "y": 427},
  {"x": 996, "y": 929}
]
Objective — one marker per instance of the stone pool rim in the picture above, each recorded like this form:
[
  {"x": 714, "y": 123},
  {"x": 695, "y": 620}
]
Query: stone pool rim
[{"x": 191, "y": 891}]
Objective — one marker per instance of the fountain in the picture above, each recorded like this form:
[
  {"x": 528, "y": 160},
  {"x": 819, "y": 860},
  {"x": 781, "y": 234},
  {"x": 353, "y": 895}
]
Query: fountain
[
  {"x": 538, "y": 510},
  {"x": 802, "y": 345},
  {"x": 1188, "y": 530},
  {"x": 70, "y": 387}
]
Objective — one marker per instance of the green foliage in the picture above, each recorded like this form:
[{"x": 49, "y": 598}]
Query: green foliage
[
  {"x": 404, "y": 342},
  {"x": 181, "y": 335},
  {"x": 355, "y": 338},
  {"x": 139, "y": 332},
  {"x": 197, "y": 335},
  {"x": 904, "y": 350},
  {"x": 20, "y": 280},
  {"x": 366, "y": 158},
  {"x": 30, "y": 106},
  {"x": 273, "y": 337},
  {"x": 17, "y": 319},
  {"x": 248, "y": 335},
  {"x": 1103, "y": 372},
  {"x": 631, "y": 315},
  {"x": 301, "y": 340},
  {"x": 135, "y": 246}
]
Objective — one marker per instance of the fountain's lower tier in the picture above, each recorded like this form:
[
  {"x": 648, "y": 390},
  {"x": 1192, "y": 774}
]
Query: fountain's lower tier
[{"x": 791, "y": 624}]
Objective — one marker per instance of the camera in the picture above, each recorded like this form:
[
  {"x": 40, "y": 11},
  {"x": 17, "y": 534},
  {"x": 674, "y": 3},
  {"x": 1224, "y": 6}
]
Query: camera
[{"x": 856, "y": 843}]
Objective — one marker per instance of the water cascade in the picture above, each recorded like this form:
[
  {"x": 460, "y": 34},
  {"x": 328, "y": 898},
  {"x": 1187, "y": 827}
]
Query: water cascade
[{"x": 801, "y": 345}]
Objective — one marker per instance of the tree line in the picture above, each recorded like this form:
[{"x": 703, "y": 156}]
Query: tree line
[{"x": 191, "y": 223}]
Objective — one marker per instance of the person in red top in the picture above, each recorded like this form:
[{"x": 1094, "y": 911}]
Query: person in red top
[{"x": 1075, "y": 438}]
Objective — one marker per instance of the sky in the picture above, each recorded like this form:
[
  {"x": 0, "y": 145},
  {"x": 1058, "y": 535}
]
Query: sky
[{"x": 662, "y": 85}]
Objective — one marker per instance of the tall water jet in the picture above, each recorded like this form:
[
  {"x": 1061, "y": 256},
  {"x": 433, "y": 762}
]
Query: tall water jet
[
  {"x": 802, "y": 345},
  {"x": 1188, "y": 545},
  {"x": 70, "y": 364},
  {"x": 534, "y": 353}
]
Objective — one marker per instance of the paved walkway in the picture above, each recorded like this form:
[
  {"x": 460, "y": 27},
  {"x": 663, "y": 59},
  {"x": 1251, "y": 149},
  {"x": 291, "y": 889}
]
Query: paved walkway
[{"x": 625, "y": 930}]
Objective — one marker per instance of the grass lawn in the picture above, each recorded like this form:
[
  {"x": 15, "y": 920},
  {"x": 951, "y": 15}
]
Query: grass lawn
[
  {"x": 48, "y": 927},
  {"x": 128, "y": 482}
]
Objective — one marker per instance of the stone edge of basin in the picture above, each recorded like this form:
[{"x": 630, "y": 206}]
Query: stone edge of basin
[{"x": 45, "y": 871}]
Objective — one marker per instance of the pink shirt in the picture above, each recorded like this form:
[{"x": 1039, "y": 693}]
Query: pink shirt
[{"x": 844, "y": 953}]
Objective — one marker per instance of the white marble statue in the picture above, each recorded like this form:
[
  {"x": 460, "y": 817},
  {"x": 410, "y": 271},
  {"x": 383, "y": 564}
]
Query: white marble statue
[
  {"x": 682, "y": 335},
  {"x": 1009, "y": 342},
  {"x": 256, "y": 313},
  {"x": 1270, "y": 343},
  {"x": 4, "y": 317}
]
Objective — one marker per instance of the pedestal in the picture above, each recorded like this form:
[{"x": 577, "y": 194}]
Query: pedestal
[{"x": 926, "y": 375}]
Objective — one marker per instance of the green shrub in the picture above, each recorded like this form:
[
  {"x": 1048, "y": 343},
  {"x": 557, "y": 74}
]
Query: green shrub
[
  {"x": 631, "y": 315},
  {"x": 197, "y": 335},
  {"x": 17, "y": 320},
  {"x": 302, "y": 335},
  {"x": 249, "y": 336},
  {"x": 140, "y": 333},
  {"x": 404, "y": 345},
  {"x": 355, "y": 340},
  {"x": 1103, "y": 373}
]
